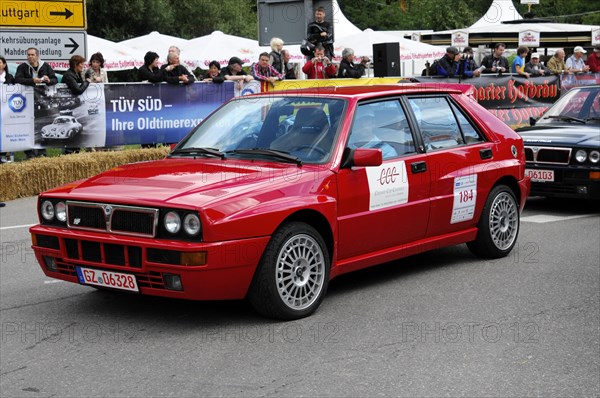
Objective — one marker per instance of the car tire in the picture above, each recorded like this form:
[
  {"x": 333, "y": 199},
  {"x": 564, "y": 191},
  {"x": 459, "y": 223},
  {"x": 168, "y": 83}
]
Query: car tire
[
  {"x": 498, "y": 226},
  {"x": 293, "y": 274}
]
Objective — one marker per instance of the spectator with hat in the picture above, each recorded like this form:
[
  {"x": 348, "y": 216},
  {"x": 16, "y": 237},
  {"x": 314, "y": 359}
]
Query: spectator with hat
[
  {"x": 234, "y": 72},
  {"x": 593, "y": 60},
  {"x": 535, "y": 68},
  {"x": 449, "y": 63},
  {"x": 575, "y": 62},
  {"x": 496, "y": 62}
]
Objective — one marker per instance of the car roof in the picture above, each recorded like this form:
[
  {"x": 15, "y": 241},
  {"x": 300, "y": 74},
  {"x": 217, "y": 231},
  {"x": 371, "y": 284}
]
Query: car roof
[{"x": 377, "y": 90}]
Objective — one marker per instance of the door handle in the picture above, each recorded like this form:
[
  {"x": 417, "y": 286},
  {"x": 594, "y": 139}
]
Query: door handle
[
  {"x": 418, "y": 167},
  {"x": 485, "y": 153}
]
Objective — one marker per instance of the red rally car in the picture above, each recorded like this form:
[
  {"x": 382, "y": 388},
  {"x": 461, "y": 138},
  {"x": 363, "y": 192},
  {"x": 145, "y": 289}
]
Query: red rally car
[{"x": 275, "y": 194}]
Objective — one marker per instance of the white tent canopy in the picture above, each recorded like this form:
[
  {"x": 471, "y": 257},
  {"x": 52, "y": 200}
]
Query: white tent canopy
[
  {"x": 413, "y": 54},
  {"x": 499, "y": 11},
  {"x": 341, "y": 25},
  {"x": 199, "y": 52},
  {"x": 362, "y": 44},
  {"x": 155, "y": 41},
  {"x": 116, "y": 56},
  {"x": 522, "y": 27}
]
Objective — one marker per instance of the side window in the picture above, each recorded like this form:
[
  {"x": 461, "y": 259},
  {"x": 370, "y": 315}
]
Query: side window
[
  {"x": 382, "y": 125},
  {"x": 437, "y": 123},
  {"x": 469, "y": 132}
]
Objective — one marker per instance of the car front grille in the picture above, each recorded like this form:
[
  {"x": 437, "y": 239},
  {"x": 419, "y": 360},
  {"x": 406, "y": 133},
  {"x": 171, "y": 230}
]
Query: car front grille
[
  {"x": 547, "y": 155},
  {"x": 121, "y": 219}
]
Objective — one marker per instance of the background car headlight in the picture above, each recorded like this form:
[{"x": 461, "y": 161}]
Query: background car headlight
[
  {"x": 594, "y": 156},
  {"x": 47, "y": 210},
  {"x": 61, "y": 211},
  {"x": 581, "y": 156},
  {"x": 172, "y": 222},
  {"x": 191, "y": 224}
]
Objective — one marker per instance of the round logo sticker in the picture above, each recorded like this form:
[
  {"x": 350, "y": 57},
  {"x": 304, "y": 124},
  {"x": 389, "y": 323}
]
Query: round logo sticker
[{"x": 17, "y": 102}]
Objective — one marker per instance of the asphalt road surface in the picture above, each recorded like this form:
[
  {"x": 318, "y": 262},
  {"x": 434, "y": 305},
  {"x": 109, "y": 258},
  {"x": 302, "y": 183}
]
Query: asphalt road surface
[{"x": 443, "y": 323}]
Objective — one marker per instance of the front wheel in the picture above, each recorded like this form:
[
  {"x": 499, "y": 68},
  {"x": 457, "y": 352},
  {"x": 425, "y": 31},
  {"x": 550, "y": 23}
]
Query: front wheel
[
  {"x": 292, "y": 277},
  {"x": 498, "y": 226}
]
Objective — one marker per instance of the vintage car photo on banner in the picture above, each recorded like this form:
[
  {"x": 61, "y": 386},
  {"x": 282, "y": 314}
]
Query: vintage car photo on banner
[{"x": 65, "y": 120}]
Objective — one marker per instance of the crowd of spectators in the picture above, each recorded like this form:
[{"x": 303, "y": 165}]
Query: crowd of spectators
[{"x": 276, "y": 66}]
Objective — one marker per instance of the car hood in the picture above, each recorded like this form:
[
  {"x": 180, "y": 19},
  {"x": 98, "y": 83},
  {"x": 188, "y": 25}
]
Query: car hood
[
  {"x": 52, "y": 128},
  {"x": 567, "y": 135},
  {"x": 193, "y": 183}
]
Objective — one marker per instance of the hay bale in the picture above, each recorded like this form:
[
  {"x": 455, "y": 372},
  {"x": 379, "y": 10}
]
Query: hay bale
[{"x": 28, "y": 178}]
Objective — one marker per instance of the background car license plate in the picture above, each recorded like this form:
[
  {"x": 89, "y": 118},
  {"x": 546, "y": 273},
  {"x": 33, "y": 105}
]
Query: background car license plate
[
  {"x": 114, "y": 280},
  {"x": 540, "y": 175}
]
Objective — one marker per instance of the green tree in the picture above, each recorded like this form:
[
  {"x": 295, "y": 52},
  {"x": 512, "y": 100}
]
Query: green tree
[{"x": 185, "y": 18}]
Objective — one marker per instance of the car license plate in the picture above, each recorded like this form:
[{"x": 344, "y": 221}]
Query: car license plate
[
  {"x": 540, "y": 175},
  {"x": 114, "y": 280}
]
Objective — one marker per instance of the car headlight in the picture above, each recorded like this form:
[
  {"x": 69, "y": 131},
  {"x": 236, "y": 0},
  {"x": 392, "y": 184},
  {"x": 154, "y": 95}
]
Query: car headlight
[
  {"x": 61, "y": 211},
  {"x": 595, "y": 156},
  {"x": 172, "y": 222},
  {"x": 47, "y": 210},
  {"x": 191, "y": 224},
  {"x": 581, "y": 156}
]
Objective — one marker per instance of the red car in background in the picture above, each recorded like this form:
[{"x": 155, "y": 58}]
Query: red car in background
[{"x": 275, "y": 194}]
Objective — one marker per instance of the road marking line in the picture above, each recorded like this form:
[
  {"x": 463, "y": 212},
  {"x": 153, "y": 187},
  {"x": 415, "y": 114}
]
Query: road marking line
[
  {"x": 17, "y": 226},
  {"x": 53, "y": 281},
  {"x": 545, "y": 218}
]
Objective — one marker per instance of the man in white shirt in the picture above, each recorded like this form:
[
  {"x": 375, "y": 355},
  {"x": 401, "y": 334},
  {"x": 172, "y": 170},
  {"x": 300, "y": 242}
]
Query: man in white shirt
[{"x": 575, "y": 61}]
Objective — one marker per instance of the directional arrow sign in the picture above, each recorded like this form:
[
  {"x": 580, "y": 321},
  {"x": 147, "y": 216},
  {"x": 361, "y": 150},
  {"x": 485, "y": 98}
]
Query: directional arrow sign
[
  {"x": 47, "y": 14},
  {"x": 53, "y": 45}
]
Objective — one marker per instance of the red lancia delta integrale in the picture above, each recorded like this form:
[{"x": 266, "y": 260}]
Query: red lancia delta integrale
[{"x": 273, "y": 195}]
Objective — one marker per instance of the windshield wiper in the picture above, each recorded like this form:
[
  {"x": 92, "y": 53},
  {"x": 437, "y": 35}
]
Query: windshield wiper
[
  {"x": 593, "y": 118},
  {"x": 569, "y": 118},
  {"x": 199, "y": 151},
  {"x": 270, "y": 152}
]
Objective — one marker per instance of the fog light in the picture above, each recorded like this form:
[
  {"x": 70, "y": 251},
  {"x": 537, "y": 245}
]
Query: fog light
[
  {"x": 50, "y": 263},
  {"x": 172, "y": 282},
  {"x": 195, "y": 258},
  {"x": 582, "y": 189}
]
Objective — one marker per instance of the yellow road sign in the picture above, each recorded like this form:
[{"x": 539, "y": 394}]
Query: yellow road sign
[{"x": 43, "y": 13}]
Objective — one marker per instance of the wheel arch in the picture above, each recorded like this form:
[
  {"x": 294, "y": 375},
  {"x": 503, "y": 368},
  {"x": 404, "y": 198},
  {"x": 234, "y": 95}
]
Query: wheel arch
[
  {"x": 513, "y": 184},
  {"x": 319, "y": 222}
]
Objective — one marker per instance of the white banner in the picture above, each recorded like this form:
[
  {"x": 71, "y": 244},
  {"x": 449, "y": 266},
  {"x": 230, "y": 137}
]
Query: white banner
[
  {"x": 595, "y": 37},
  {"x": 529, "y": 38},
  {"x": 16, "y": 117},
  {"x": 460, "y": 39}
]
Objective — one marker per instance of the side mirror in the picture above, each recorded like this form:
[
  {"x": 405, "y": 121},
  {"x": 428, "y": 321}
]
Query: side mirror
[
  {"x": 362, "y": 157},
  {"x": 532, "y": 121}
]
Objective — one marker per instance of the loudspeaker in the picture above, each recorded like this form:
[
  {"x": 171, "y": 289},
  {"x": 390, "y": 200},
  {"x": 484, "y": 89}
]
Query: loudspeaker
[{"x": 386, "y": 59}]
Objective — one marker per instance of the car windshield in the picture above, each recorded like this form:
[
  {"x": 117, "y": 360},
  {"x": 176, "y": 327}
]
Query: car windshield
[
  {"x": 61, "y": 120},
  {"x": 277, "y": 128},
  {"x": 581, "y": 105}
]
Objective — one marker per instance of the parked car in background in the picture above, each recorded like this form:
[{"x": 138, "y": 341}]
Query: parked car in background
[
  {"x": 275, "y": 194},
  {"x": 62, "y": 128},
  {"x": 563, "y": 147}
]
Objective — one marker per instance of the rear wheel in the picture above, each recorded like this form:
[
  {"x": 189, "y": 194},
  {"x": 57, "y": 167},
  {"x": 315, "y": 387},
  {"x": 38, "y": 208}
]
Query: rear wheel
[
  {"x": 292, "y": 277},
  {"x": 498, "y": 226}
]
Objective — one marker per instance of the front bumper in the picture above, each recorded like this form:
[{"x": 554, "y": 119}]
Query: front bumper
[
  {"x": 226, "y": 273},
  {"x": 56, "y": 136},
  {"x": 569, "y": 182}
]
